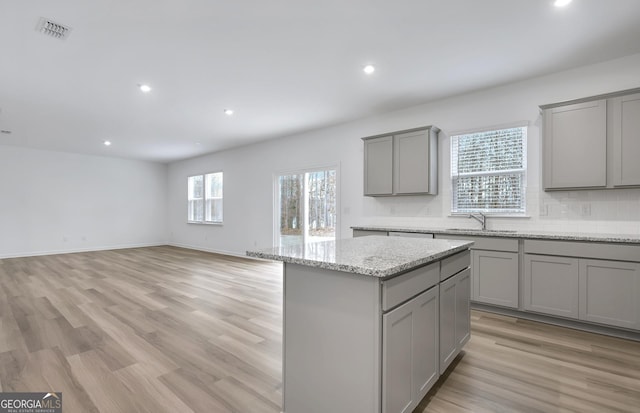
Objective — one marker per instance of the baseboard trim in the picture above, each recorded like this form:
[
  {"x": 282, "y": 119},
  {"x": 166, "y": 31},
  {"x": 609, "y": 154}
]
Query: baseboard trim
[
  {"x": 76, "y": 250},
  {"x": 560, "y": 322},
  {"x": 204, "y": 249}
]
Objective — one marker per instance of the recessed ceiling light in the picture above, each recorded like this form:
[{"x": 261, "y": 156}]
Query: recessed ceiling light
[
  {"x": 228, "y": 112},
  {"x": 107, "y": 143},
  {"x": 561, "y": 3},
  {"x": 368, "y": 69},
  {"x": 145, "y": 88}
]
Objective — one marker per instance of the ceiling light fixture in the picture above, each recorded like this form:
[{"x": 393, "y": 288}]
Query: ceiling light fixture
[
  {"x": 228, "y": 112},
  {"x": 107, "y": 143},
  {"x": 369, "y": 69},
  {"x": 561, "y": 3},
  {"x": 145, "y": 88}
]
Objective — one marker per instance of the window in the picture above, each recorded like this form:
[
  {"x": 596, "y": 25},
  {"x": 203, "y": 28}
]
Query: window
[
  {"x": 204, "y": 196},
  {"x": 488, "y": 171},
  {"x": 307, "y": 207}
]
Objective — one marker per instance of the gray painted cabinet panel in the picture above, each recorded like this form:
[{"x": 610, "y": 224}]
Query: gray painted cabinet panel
[
  {"x": 410, "y": 352},
  {"x": 401, "y": 163},
  {"x": 378, "y": 166},
  {"x": 495, "y": 277},
  {"x": 610, "y": 293},
  {"x": 411, "y": 162},
  {"x": 575, "y": 145},
  {"x": 455, "y": 327},
  {"x": 551, "y": 285},
  {"x": 626, "y": 140}
]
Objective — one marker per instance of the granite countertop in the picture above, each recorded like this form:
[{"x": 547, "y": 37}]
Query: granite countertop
[
  {"x": 375, "y": 256},
  {"x": 561, "y": 236}
]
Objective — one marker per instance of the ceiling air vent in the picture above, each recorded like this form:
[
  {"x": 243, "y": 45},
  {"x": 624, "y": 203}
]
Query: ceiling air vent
[{"x": 53, "y": 29}]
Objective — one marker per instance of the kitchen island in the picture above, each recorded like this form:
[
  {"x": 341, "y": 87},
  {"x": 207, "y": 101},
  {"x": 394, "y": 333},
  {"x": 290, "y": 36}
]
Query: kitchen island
[{"x": 370, "y": 323}]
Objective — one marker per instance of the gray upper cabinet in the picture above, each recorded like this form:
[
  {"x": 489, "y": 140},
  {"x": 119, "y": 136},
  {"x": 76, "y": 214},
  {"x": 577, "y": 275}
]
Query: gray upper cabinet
[
  {"x": 592, "y": 143},
  {"x": 575, "y": 146},
  {"x": 401, "y": 163},
  {"x": 626, "y": 140},
  {"x": 378, "y": 166}
]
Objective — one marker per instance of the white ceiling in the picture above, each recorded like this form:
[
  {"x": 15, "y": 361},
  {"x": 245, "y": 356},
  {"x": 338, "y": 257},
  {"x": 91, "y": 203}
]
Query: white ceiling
[{"x": 284, "y": 66}]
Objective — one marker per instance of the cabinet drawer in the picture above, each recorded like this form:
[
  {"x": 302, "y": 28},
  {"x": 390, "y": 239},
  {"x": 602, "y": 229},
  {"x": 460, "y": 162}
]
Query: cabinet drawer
[
  {"x": 486, "y": 243},
  {"x": 454, "y": 264},
  {"x": 622, "y": 252},
  {"x": 401, "y": 288}
]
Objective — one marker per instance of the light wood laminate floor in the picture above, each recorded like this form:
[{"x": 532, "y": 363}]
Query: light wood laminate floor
[{"x": 165, "y": 329}]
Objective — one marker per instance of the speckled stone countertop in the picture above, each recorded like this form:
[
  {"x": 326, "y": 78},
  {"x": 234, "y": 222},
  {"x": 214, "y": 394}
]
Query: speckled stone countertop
[
  {"x": 376, "y": 256},
  {"x": 560, "y": 236}
]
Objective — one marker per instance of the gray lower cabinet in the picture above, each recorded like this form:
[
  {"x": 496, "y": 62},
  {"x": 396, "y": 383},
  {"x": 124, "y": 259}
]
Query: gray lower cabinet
[
  {"x": 410, "y": 352},
  {"x": 551, "y": 285},
  {"x": 495, "y": 277},
  {"x": 455, "y": 326},
  {"x": 610, "y": 293}
]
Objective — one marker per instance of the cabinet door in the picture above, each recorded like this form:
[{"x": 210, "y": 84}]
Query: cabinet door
[
  {"x": 411, "y": 163},
  {"x": 610, "y": 293},
  {"x": 409, "y": 352},
  {"x": 454, "y": 316},
  {"x": 495, "y": 277},
  {"x": 551, "y": 285},
  {"x": 626, "y": 140},
  {"x": 426, "y": 342},
  {"x": 378, "y": 166},
  {"x": 575, "y": 146},
  {"x": 463, "y": 308}
]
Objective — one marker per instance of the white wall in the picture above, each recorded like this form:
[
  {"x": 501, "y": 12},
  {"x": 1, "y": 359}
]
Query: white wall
[
  {"x": 59, "y": 202},
  {"x": 249, "y": 171}
]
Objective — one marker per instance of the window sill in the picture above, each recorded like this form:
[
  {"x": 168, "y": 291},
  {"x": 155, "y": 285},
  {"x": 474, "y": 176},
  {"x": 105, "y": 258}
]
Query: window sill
[{"x": 218, "y": 224}]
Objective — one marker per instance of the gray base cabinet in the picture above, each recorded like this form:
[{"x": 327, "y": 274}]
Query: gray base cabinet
[
  {"x": 410, "y": 352},
  {"x": 598, "y": 290},
  {"x": 455, "y": 327},
  {"x": 495, "y": 277},
  {"x": 354, "y": 343},
  {"x": 610, "y": 292},
  {"x": 551, "y": 285}
]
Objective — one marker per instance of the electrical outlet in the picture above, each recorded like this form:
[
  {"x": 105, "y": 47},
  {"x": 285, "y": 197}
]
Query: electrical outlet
[{"x": 585, "y": 210}]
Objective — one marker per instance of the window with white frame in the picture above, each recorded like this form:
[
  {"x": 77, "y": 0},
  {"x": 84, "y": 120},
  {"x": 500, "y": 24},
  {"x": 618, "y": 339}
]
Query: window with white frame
[
  {"x": 204, "y": 197},
  {"x": 488, "y": 171}
]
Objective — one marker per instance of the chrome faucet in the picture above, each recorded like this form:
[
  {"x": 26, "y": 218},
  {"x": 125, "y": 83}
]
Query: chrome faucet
[{"x": 481, "y": 218}]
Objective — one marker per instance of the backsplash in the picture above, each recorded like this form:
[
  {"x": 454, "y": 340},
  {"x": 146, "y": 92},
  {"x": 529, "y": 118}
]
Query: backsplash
[{"x": 598, "y": 211}]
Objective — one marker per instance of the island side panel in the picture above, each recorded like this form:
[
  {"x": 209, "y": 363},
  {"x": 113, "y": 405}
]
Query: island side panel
[{"x": 332, "y": 341}]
